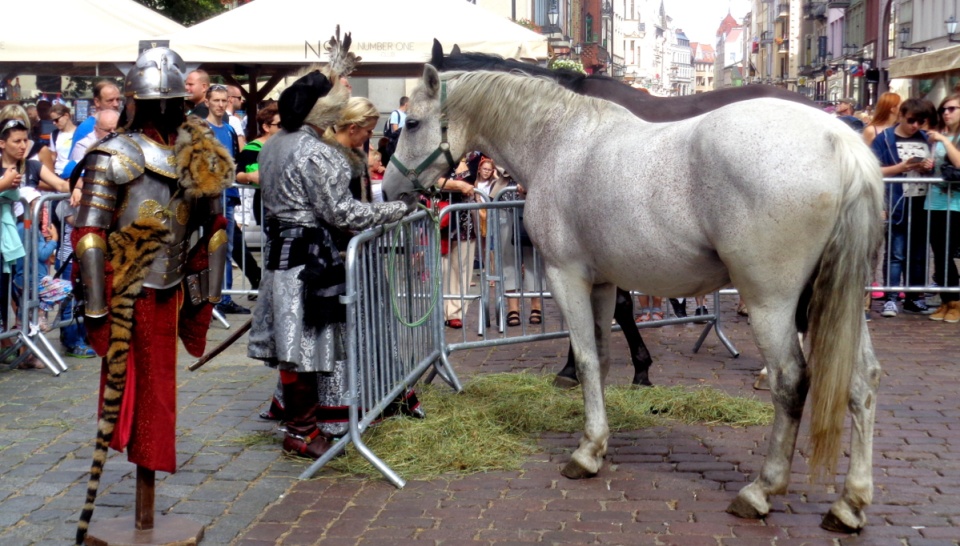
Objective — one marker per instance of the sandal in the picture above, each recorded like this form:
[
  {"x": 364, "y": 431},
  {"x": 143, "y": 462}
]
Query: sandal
[
  {"x": 536, "y": 316},
  {"x": 31, "y": 363},
  {"x": 513, "y": 318},
  {"x": 644, "y": 316},
  {"x": 656, "y": 315},
  {"x": 456, "y": 323}
]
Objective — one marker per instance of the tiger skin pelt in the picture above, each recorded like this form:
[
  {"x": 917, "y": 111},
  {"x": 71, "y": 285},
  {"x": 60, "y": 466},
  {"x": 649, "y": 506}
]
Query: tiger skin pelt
[{"x": 131, "y": 250}]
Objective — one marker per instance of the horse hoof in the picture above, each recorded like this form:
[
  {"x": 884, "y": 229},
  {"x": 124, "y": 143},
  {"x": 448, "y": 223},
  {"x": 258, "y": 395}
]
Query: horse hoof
[
  {"x": 762, "y": 383},
  {"x": 575, "y": 471},
  {"x": 564, "y": 382},
  {"x": 832, "y": 522},
  {"x": 742, "y": 508},
  {"x": 641, "y": 381}
]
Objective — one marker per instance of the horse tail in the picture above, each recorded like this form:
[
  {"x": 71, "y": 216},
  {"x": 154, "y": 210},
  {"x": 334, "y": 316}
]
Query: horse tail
[{"x": 836, "y": 305}]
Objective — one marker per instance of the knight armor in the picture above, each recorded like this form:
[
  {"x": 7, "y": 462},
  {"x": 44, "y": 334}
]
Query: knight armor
[{"x": 127, "y": 177}]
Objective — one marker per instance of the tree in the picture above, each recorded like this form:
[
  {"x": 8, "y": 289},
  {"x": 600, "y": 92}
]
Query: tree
[{"x": 185, "y": 12}]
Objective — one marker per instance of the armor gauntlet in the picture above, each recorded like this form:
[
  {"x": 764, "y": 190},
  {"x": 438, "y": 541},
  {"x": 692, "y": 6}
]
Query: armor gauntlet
[
  {"x": 111, "y": 163},
  {"x": 217, "y": 252}
]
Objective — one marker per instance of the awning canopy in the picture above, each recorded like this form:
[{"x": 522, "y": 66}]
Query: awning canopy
[
  {"x": 87, "y": 32},
  {"x": 931, "y": 62},
  {"x": 385, "y": 32}
]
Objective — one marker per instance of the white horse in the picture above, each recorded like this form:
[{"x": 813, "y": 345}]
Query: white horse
[{"x": 778, "y": 199}]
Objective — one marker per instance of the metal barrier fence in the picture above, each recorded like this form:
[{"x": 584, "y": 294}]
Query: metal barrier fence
[
  {"x": 399, "y": 283},
  {"x": 923, "y": 243},
  {"x": 393, "y": 322},
  {"x": 511, "y": 274},
  {"x": 26, "y": 328}
]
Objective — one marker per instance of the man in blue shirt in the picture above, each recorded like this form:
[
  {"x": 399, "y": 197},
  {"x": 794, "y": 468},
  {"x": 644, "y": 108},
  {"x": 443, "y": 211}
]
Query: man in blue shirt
[
  {"x": 106, "y": 96},
  {"x": 217, "y": 100}
]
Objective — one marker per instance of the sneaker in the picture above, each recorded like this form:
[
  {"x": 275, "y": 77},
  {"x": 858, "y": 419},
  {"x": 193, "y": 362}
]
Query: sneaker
[
  {"x": 232, "y": 308},
  {"x": 889, "y": 309},
  {"x": 81, "y": 351},
  {"x": 917, "y": 307},
  {"x": 866, "y": 314}
]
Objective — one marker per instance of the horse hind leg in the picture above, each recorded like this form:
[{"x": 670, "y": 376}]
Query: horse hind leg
[
  {"x": 776, "y": 337},
  {"x": 847, "y": 515}
]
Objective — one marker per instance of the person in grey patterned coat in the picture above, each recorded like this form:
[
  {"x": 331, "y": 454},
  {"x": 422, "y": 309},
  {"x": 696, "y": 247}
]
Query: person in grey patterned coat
[{"x": 299, "y": 324}]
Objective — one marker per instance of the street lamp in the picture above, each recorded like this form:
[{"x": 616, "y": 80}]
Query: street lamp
[
  {"x": 951, "y": 25},
  {"x": 905, "y": 37},
  {"x": 850, "y": 49},
  {"x": 578, "y": 49},
  {"x": 553, "y": 15}
]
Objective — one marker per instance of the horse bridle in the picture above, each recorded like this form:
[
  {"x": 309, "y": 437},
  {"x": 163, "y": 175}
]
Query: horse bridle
[{"x": 442, "y": 149}]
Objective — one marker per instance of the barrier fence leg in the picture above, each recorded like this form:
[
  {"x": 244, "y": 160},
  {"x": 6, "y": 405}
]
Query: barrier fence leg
[
  {"x": 714, "y": 323},
  {"x": 220, "y": 318}
]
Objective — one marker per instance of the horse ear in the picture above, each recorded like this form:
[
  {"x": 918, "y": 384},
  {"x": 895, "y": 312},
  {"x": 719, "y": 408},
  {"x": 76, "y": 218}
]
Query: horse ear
[
  {"x": 436, "y": 54},
  {"x": 431, "y": 80},
  {"x": 455, "y": 52}
]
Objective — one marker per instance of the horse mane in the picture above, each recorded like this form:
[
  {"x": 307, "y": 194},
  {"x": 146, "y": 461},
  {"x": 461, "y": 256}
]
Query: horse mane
[
  {"x": 494, "y": 101},
  {"x": 640, "y": 102},
  {"x": 458, "y": 61}
]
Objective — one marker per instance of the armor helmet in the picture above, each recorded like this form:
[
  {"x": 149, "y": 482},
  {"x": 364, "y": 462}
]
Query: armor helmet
[{"x": 159, "y": 73}]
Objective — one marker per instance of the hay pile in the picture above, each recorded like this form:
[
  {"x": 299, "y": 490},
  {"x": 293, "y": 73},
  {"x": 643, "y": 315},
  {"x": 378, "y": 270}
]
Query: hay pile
[{"x": 494, "y": 423}]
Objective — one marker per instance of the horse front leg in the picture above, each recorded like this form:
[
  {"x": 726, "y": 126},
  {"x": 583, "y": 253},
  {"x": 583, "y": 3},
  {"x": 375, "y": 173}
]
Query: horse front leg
[
  {"x": 573, "y": 295},
  {"x": 775, "y": 333},
  {"x": 847, "y": 515}
]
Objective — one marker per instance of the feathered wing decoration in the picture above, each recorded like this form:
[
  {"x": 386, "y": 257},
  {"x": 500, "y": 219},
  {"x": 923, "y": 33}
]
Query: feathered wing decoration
[
  {"x": 326, "y": 111},
  {"x": 342, "y": 61}
]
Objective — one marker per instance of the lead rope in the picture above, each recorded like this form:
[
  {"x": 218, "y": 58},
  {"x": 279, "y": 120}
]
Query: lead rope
[{"x": 435, "y": 279}]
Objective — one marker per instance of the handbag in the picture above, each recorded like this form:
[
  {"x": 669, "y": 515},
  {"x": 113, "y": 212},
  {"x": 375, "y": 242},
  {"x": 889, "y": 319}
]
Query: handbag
[{"x": 948, "y": 171}]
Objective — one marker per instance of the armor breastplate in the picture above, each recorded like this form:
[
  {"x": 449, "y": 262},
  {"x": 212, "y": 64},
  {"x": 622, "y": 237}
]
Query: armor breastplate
[{"x": 155, "y": 195}]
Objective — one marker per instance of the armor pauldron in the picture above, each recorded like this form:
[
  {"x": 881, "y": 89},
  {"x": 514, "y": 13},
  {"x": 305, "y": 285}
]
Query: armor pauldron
[
  {"x": 91, "y": 253},
  {"x": 126, "y": 163},
  {"x": 98, "y": 198},
  {"x": 217, "y": 251}
]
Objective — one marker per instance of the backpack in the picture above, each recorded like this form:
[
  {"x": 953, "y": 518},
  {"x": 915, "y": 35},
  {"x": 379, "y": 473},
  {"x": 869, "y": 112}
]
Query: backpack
[{"x": 388, "y": 132}]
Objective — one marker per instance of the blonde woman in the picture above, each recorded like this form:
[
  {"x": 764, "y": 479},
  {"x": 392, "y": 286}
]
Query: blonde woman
[
  {"x": 357, "y": 122},
  {"x": 884, "y": 117}
]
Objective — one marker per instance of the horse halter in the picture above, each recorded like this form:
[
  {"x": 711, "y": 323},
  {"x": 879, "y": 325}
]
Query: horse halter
[{"x": 442, "y": 149}]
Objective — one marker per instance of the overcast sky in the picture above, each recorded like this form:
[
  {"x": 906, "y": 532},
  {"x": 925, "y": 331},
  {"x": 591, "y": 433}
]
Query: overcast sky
[{"x": 700, "y": 19}]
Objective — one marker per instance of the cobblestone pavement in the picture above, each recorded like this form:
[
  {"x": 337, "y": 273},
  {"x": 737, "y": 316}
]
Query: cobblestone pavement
[{"x": 666, "y": 485}]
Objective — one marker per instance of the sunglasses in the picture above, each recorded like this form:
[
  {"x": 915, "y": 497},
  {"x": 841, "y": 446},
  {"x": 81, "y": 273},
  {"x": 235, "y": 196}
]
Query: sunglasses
[
  {"x": 58, "y": 118},
  {"x": 13, "y": 124},
  {"x": 950, "y": 109},
  {"x": 914, "y": 121},
  {"x": 218, "y": 87}
]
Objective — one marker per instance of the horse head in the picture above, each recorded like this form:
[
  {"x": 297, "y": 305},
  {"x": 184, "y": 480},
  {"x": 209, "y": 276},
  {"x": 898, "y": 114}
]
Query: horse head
[{"x": 427, "y": 148}]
